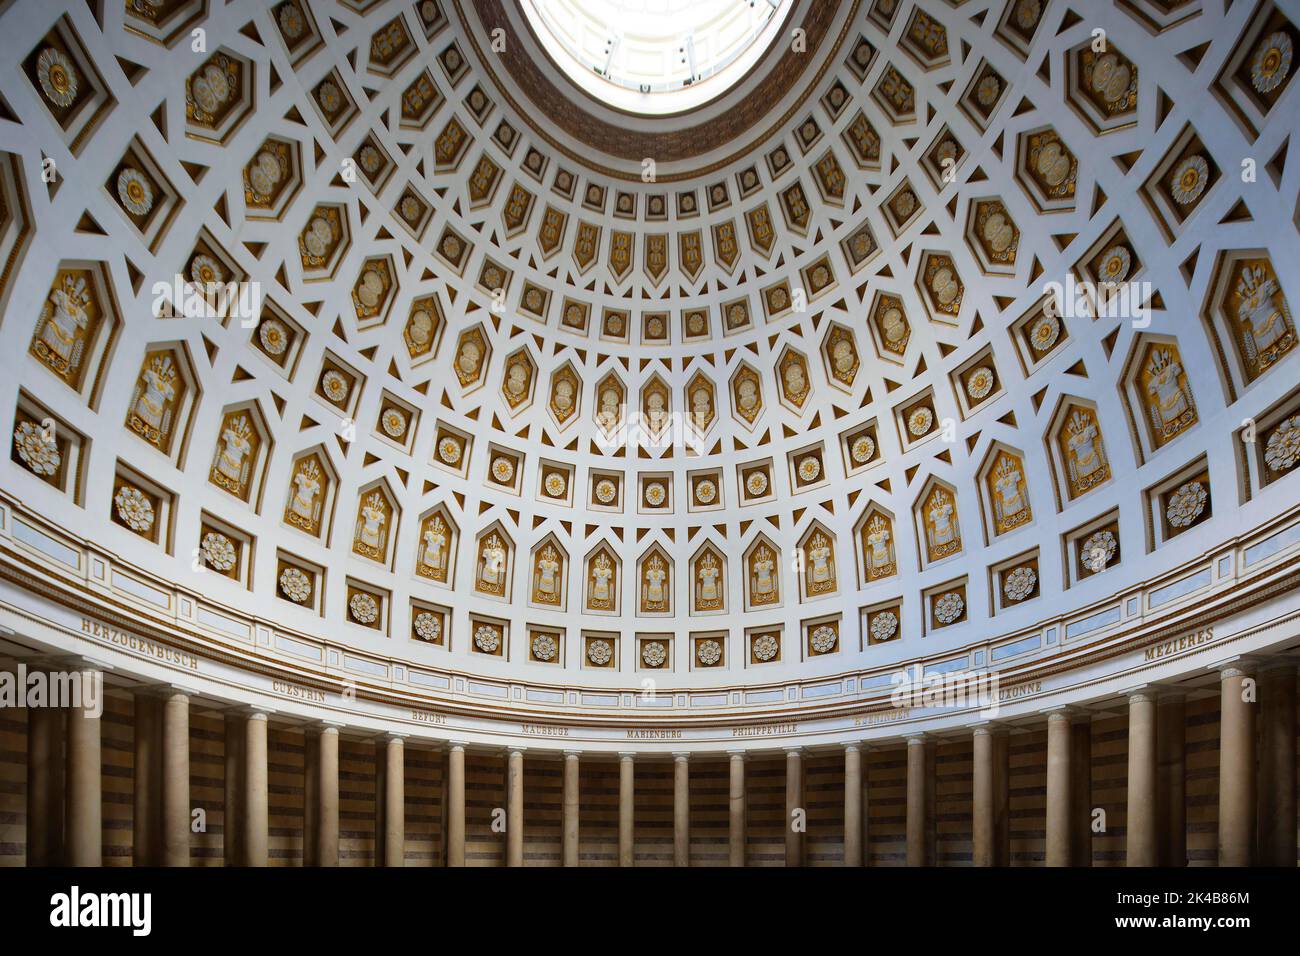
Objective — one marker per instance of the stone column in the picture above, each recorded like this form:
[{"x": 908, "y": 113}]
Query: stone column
[
  {"x": 1277, "y": 795},
  {"x": 982, "y": 816},
  {"x": 456, "y": 805},
  {"x": 515, "y": 809},
  {"x": 327, "y": 793},
  {"x": 146, "y": 839},
  {"x": 232, "y": 827},
  {"x": 917, "y": 785},
  {"x": 254, "y": 804},
  {"x": 1171, "y": 780},
  {"x": 394, "y": 801},
  {"x": 1236, "y": 767},
  {"x": 1142, "y": 839},
  {"x": 681, "y": 810},
  {"x": 1081, "y": 790},
  {"x": 1058, "y": 788},
  {"x": 84, "y": 826},
  {"x": 626, "y": 808},
  {"x": 571, "y": 804},
  {"x": 311, "y": 796},
  {"x": 381, "y": 804},
  {"x": 1001, "y": 798},
  {"x": 736, "y": 809},
  {"x": 45, "y": 767},
  {"x": 175, "y": 779},
  {"x": 794, "y": 828},
  {"x": 852, "y": 805}
]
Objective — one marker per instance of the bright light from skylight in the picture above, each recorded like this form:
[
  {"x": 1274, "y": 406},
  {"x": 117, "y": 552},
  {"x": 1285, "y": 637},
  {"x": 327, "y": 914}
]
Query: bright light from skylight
[{"x": 656, "y": 56}]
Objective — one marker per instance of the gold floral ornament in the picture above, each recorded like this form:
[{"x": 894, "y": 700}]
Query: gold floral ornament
[
  {"x": 487, "y": 639},
  {"x": 1283, "y": 449},
  {"x": 600, "y": 653},
  {"x": 862, "y": 450},
  {"x": 1189, "y": 180},
  {"x": 134, "y": 509},
  {"x": 1272, "y": 62},
  {"x": 765, "y": 647},
  {"x": 653, "y": 654},
  {"x": 394, "y": 422},
  {"x": 1097, "y": 551},
  {"x": 58, "y": 77},
  {"x": 884, "y": 625},
  {"x": 544, "y": 647},
  {"x": 709, "y": 652},
  {"x": 1019, "y": 583},
  {"x": 919, "y": 421},
  {"x": 37, "y": 448},
  {"x": 364, "y": 608},
  {"x": 295, "y": 585},
  {"x": 134, "y": 192},
  {"x": 948, "y": 607},
  {"x": 1186, "y": 504},
  {"x": 1044, "y": 333},
  {"x": 823, "y": 639},
  {"x": 218, "y": 551},
  {"x": 427, "y": 627}
]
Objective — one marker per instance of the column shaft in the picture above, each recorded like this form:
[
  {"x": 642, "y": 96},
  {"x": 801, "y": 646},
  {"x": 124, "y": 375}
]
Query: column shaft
[
  {"x": 84, "y": 826},
  {"x": 1058, "y": 789},
  {"x": 44, "y": 802},
  {"x": 515, "y": 809},
  {"x": 681, "y": 810},
  {"x": 1001, "y": 798},
  {"x": 796, "y": 815},
  {"x": 146, "y": 840},
  {"x": 311, "y": 796},
  {"x": 1277, "y": 792},
  {"x": 982, "y": 816},
  {"x": 571, "y": 803},
  {"x": 256, "y": 812},
  {"x": 1236, "y": 769},
  {"x": 852, "y": 805},
  {"x": 232, "y": 827},
  {"x": 736, "y": 811},
  {"x": 176, "y": 780},
  {"x": 1171, "y": 781},
  {"x": 395, "y": 803},
  {"x": 456, "y": 805},
  {"x": 917, "y": 785},
  {"x": 626, "y": 809},
  {"x": 327, "y": 792},
  {"x": 1081, "y": 791},
  {"x": 1142, "y": 841}
]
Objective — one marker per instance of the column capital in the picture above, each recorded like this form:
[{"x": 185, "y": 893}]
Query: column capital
[
  {"x": 627, "y": 755},
  {"x": 917, "y": 739},
  {"x": 681, "y": 756},
  {"x": 456, "y": 745},
  {"x": 575, "y": 754},
  {"x": 394, "y": 737},
  {"x": 737, "y": 755},
  {"x": 793, "y": 751},
  {"x": 1238, "y": 666},
  {"x": 513, "y": 752},
  {"x": 1142, "y": 692},
  {"x": 854, "y": 747},
  {"x": 249, "y": 711},
  {"x": 328, "y": 727}
]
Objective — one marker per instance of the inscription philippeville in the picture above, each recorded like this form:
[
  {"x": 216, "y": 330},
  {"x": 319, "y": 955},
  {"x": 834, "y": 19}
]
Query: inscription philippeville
[
  {"x": 1179, "y": 644},
  {"x": 764, "y": 730},
  {"x": 139, "y": 645}
]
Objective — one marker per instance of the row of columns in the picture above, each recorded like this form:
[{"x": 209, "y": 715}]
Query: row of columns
[{"x": 64, "y": 758}]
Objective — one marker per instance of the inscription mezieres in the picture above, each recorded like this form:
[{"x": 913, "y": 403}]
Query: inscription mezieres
[
  {"x": 138, "y": 645},
  {"x": 1179, "y": 644},
  {"x": 285, "y": 689}
]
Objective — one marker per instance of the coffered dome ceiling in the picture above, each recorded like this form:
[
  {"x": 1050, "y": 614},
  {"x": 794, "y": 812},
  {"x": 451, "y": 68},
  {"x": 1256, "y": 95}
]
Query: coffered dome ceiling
[{"x": 538, "y": 388}]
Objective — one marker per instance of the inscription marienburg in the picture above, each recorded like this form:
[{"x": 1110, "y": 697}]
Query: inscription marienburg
[
  {"x": 138, "y": 645},
  {"x": 1179, "y": 644},
  {"x": 654, "y": 735}
]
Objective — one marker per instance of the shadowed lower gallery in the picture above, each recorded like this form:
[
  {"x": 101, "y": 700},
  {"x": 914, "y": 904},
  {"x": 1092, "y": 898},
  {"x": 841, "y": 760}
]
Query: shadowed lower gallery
[{"x": 649, "y": 434}]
